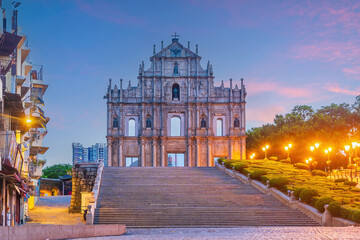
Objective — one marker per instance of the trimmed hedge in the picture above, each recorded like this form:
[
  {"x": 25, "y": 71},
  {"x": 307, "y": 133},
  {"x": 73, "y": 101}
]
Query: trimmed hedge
[
  {"x": 356, "y": 216},
  {"x": 318, "y": 173},
  {"x": 301, "y": 166},
  {"x": 349, "y": 183},
  {"x": 257, "y": 174},
  {"x": 279, "y": 183},
  {"x": 321, "y": 202},
  {"x": 285, "y": 161},
  {"x": 240, "y": 166},
  {"x": 341, "y": 180},
  {"x": 297, "y": 192},
  {"x": 307, "y": 194},
  {"x": 334, "y": 209},
  {"x": 273, "y": 158}
]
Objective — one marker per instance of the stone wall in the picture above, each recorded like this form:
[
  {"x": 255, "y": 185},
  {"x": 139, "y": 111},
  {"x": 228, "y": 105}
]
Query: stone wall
[{"x": 83, "y": 179}]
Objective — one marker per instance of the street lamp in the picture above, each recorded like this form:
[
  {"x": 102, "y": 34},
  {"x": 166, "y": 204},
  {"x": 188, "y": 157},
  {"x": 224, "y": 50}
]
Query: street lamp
[
  {"x": 327, "y": 152},
  {"x": 287, "y": 149},
  {"x": 317, "y": 145},
  {"x": 347, "y": 148},
  {"x": 312, "y": 148},
  {"x": 252, "y": 156},
  {"x": 264, "y": 149}
]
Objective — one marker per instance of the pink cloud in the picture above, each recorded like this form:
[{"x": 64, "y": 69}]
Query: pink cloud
[
  {"x": 338, "y": 52},
  {"x": 352, "y": 71},
  {"x": 255, "y": 87},
  {"x": 264, "y": 114},
  {"x": 335, "y": 88}
]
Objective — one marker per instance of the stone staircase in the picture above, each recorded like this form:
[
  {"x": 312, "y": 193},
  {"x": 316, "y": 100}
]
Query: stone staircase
[{"x": 187, "y": 197}]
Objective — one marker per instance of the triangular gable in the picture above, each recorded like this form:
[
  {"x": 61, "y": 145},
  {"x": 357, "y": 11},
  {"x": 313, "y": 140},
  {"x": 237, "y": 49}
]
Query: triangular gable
[{"x": 171, "y": 50}]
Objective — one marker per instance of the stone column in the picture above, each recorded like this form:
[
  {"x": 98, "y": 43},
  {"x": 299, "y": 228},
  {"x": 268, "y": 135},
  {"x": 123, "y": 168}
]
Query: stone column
[
  {"x": 197, "y": 160},
  {"x": 189, "y": 155},
  {"x": 209, "y": 155},
  {"x": 142, "y": 153},
  {"x": 121, "y": 162},
  {"x": 154, "y": 153},
  {"x": 109, "y": 153},
  {"x": 162, "y": 154}
]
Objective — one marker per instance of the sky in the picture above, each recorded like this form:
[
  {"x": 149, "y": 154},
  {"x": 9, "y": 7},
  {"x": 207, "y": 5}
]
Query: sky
[{"x": 288, "y": 52}]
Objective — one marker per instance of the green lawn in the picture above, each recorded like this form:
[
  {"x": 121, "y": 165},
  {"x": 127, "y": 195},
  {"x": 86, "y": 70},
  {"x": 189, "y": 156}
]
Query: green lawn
[{"x": 347, "y": 197}]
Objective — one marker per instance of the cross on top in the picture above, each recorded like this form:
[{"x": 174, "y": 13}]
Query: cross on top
[{"x": 175, "y": 35}]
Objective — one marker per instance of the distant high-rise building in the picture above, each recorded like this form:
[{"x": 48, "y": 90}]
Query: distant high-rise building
[{"x": 93, "y": 154}]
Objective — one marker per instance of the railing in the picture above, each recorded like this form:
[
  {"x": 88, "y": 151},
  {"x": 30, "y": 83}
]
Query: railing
[
  {"x": 36, "y": 72},
  {"x": 8, "y": 147},
  {"x": 350, "y": 174}
]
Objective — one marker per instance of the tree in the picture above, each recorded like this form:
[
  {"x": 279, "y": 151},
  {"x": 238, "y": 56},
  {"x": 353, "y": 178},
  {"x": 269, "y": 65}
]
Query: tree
[{"x": 57, "y": 170}]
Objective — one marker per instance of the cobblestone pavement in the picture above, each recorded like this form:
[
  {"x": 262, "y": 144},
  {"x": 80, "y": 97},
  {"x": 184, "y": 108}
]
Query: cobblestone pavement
[
  {"x": 248, "y": 233},
  {"x": 54, "y": 210}
]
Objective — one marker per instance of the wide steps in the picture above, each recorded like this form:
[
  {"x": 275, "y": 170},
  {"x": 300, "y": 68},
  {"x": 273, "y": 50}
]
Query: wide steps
[{"x": 187, "y": 197}]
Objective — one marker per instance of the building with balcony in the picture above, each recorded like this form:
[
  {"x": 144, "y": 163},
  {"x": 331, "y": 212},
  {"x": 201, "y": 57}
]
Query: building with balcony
[{"x": 22, "y": 122}]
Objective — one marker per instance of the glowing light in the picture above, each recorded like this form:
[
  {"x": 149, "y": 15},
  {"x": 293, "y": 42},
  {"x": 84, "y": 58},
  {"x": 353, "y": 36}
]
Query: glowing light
[
  {"x": 326, "y": 151},
  {"x": 312, "y": 148},
  {"x": 267, "y": 146},
  {"x": 330, "y": 149},
  {"x": 347, "y": 148},
  {"x": 317, "y": 145},
  {"x": 290, "y": 145},
  {"x": 354, "y": 144},
  {"x": 264, "y": 149},
  {"x": 28, "y": 120},
  {"x": 286, "y": 148}
]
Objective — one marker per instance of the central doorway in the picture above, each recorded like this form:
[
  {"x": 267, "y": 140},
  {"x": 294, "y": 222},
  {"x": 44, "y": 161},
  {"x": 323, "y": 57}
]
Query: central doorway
[{"x": 175, "y": 160}]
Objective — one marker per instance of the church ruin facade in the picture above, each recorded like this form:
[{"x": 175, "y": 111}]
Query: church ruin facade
[{"x": 175, "y": 116}]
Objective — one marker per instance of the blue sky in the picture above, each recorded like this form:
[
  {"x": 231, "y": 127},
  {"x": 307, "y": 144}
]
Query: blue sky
[{"x": 288, "y": 52}]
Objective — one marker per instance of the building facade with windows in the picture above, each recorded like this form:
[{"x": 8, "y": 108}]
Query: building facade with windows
[
  {"x": 93, "y": 154},
  {"x": 175, "y": 116}
]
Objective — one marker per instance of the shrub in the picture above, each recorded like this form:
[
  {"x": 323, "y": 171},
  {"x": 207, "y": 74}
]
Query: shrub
[
  {"x": 301, "y": 166},
  {"x": 220, "y": 160},
  {"x": 228, "y": 164},
  {"x": 240, "y": 166},
  {"x": 321, "y": 202},
  {"x": 356, "y": 216},
  {"x": 257, "y": 174},
  {"x": 297, "y": 192},
  {"x": 285, "y": 160},
  {"x": 341, "y": 180},
  {"x": 264, "y": 179},
  {"x": 334, "y": 209},
  {"x": 273, "y": 158},
  {"x": 245, "y": 171},
  {"x": 278, "y": 182},
  {"x": 355, "y": 190},
  {"x": 318, "y": 173},
  {"x": 307, "y": 195},
  {"x": 349, "y": 183}
]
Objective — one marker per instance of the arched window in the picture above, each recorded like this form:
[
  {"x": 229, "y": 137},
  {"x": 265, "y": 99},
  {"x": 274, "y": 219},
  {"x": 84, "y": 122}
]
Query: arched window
[
  {"x": 175, "y": 126},
  {"x": 148, "y": 122},
  {"x": 115, "y": 122},
  {"x": 131, "y": 127},
  {"x": 236, "y": 123},
  {"x": 203, "y": 123},
  {"x": 219, "y": 127},
  {"x": 176, "y": 92}
]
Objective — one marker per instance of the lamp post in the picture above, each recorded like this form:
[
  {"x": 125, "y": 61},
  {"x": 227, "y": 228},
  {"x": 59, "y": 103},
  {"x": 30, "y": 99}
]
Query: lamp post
[
  {"x": 252, "y": 156},
  {"x": 347, "y": 149},
  {"x": 327, "y": 152},
  {"x": 264, "y": 149},
  {"x": 287, "y": 148}
]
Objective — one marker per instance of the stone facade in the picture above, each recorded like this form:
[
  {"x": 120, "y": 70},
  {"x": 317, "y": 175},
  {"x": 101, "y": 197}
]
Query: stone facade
[
  {"x": 208, "y": 121},
  {"x": 83, "y": 179}
]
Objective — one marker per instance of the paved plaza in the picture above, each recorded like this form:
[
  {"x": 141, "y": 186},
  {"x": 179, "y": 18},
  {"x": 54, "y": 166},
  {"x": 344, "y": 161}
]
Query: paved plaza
[
  {"x": 248, "y": 233},
  {"x": 54, "y": 210}
]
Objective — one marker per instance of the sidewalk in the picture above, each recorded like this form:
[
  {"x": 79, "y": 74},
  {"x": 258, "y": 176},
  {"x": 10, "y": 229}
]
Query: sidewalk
[
  {"x": 54, "y": 210},
  {"x": 248, "y": 233}
]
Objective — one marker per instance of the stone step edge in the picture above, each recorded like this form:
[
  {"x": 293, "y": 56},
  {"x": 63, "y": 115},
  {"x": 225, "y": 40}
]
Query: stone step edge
[{"x": 311, "y": 212}]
